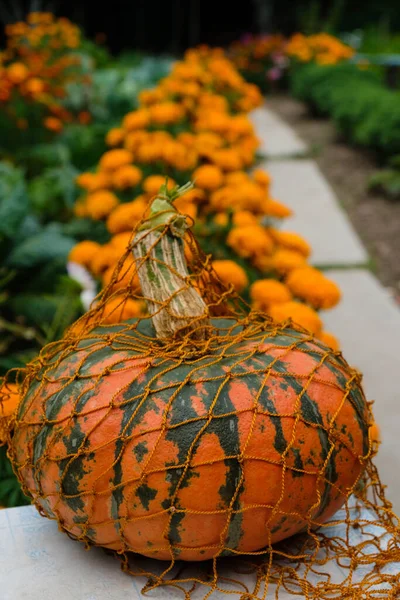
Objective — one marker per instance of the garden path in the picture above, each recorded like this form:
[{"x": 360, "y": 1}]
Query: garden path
[{"x": 367, "y": 321}]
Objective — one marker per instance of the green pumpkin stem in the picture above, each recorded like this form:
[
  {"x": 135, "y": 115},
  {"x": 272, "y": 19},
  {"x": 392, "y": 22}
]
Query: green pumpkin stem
[{"x": 175, "y": 305}]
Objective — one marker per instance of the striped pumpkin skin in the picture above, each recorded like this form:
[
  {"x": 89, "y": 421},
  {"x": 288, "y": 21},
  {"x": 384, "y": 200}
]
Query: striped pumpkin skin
[{"x": 187, "y": 458}]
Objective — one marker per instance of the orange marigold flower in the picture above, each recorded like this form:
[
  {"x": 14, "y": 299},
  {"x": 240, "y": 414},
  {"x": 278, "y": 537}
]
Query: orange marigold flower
[
  {"x": 241, "y": 218},
  {"x": 121, "y": 241},
  {"x": 151, "y": 185},
  {"x": 250, "y": 240},
  {"x": 221, "y": 219},
  {"x": 236, "y": 178},
  {"x": 115, "y": 137},
  {"x": 9, "y": 401},
  {"x": 300, "y": 314},
  {"x": 291, "y": 241},
  {"x": 126, "y": 176},
  {"x": 230, "y": 273},
  {"x": 166, "y": 113},
  {"x": 137, "y": 119},
  {"x": 99, "y": 204},
  {"x": 285, "y": 261},
  {"x": 53, "y": 124},
  {"x": 84, "y": 252},
  {"x": 186, "y": 207},
  {"x": 329, "y": 340},
  {"x": 262, "y": 178},
  {"x": 313, "y": 287},
  {"x": 227, "y": 159},
  {"x": 266, "y": 292},
  {"x": 17, "y": 72},
  {"x": 273, "y": 208},
  {"x": 105, "y": 257},
  {"x": 35, "y": 86},
  {"x": 121, "y": 309},
  {"x": 208, "y": 177},
  {"x": 126, "y": 279},
  {"x": 126, "y": 216},
  {"x": 93, "y": 181},
  {"x": 113, "y": 159}
]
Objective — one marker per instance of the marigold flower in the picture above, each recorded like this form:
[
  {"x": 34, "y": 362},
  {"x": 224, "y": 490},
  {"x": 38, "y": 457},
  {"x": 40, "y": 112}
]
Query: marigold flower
[
  {"x": 313, "y": 287},
  {"x": 115, "y": 137},
  {"x": 230, "y": 273},
  {"x": 105, "y": 257},
  {"x": 121, "y": 309},
  {"x": 266, "y": 292},
  {"x": 35, "y": 86},
  {"x": 93, "y": 181},
  {"x": 250, "y": 240},
  {"x": 329, "y": 340},
  {"x": 273, "y": 208},
  {"x": 208, "y": 177},
  {"x": 262, "y": 178},
  {"x": 121, "y": 241},
  {"x": 221, "y": 219},
  {"x": 236, "y": 178},
  {"x": 134, "y": 139},
  {"x": 300, "y": 314},
  {"x": 285, "y": 261},
  {"x": 126, "y": 176},
  {"x": 126, "y": 279},
  {"x": 227, "y": 159},
  {"x": 151, "y": 185},
  {"x": 99, "y": 204},
  {"x": 166, "y": 113},
  {"x": 241, "y": 218},
  {"x": 113, "y": 159},
  {"x": 84, "y": 252},
  {"x": 53, "y": 124},
  {"x": 186, "y": 207},
  {"x": 137, "y": 119},
  {"x": 17, "y": 72},
  {"x": 126, "y": 216},
  {"x": 291, "y": 241}
]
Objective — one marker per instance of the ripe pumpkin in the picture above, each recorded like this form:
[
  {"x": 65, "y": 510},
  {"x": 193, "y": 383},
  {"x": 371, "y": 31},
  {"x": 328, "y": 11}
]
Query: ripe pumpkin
[{"x": 258, "y": 436}]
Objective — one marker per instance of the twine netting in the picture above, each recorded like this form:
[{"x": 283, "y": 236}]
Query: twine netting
[{"x": 236, "y": 451}]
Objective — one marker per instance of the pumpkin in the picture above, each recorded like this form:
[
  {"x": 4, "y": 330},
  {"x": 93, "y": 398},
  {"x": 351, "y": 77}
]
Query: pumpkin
[{"x": 185, "y": 436}]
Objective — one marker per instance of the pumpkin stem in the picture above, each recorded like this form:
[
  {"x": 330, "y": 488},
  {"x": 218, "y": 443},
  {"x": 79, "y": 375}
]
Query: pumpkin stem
[{"x": 175, "y": 305}]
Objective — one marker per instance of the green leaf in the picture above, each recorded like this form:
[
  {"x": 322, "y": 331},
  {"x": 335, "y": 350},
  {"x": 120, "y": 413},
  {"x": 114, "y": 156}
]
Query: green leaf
[
  {"x": 14, "y": 201},
  {"x": 42, "y": 309},
  {"x": 48, "y": 245}
]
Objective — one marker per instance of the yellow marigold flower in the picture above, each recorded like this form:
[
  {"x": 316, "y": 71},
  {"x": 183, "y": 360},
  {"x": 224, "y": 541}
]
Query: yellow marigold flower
[
  {"x": 230, "y": 273},
  {"x": 186, "y": 207},
  {"x": 249, "y": 196},
  {"x": 221, "y": 219},
  {"x": 227, "y": 159},
  {"x": 53, "y": 124},
  {"x": 9, "y": 401},
  {"x": 250, "y": 240},
  {"x": 126, "y": 216},
  {"x": 93, "y": 181},
  {"x": 329, "y": 340},
  {"x": 195, "y": 195},
  {"x": 134, "y": 139},
  {"x": 150, "y": 96},
  {"x": 262, "y": 178},
  {"x": 291, "y": 241},
  {"x": 166, "y": 113},
  {"x": 186, "y": 138},
  {"x": 313, "y": 287},
  {"x": 126, "y": 176},
  {"x": 113, "y": 159},
  {"x": 208, "y": 177},
  {"x": 265, "y": 292},
  {"x": 115, "y": 137},
  {"x": 84, "y": 252},
  {"x": 300, "y": 314},
  {"x": 222, "y": 199},
  {"x": 105, "y": 257},
  {"x": 206, "y": 142},
  {"x": 100, "y": 204},
  {"x": 241, "y": 218},
  {"x": 273, "y": 208},
  {"x": 17, "y": 72},
  {"x": 137, "y": 119},
  {"x": 151, "y": 185},
  {"x": 121, "y": 309}
]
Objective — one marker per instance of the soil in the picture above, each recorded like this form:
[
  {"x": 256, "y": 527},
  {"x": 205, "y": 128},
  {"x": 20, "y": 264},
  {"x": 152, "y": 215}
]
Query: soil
[{"x": 348, "y": 170}]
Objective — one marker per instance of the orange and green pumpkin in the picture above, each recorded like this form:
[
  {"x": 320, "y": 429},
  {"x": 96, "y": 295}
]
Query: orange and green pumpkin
[{"x": 261, "y": 435}]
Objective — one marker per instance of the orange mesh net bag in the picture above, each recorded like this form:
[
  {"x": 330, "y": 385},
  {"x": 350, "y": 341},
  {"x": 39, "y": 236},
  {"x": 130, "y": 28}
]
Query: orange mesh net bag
[{"x": 172, "y": 423}]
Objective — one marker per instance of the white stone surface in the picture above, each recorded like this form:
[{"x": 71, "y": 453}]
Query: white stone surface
[
  {"x": 317, "y": 216},
  {"x": 37, "y": 562},
  {"x": 276, "y": 137},
  {"x": 367, "y": 323}
]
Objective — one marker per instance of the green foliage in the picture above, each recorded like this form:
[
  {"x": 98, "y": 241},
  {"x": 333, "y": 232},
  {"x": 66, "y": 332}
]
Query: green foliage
[
  {"x": 388, "y": 180},
  {"x": 10, "y": 492},
  {"x": 364, "y": 111}
]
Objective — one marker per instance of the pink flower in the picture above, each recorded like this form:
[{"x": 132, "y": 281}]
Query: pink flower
[{"x": 274, "y": 73}]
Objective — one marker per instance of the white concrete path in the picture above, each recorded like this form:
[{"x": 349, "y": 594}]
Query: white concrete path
[{"x": 277, "y": 138}]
